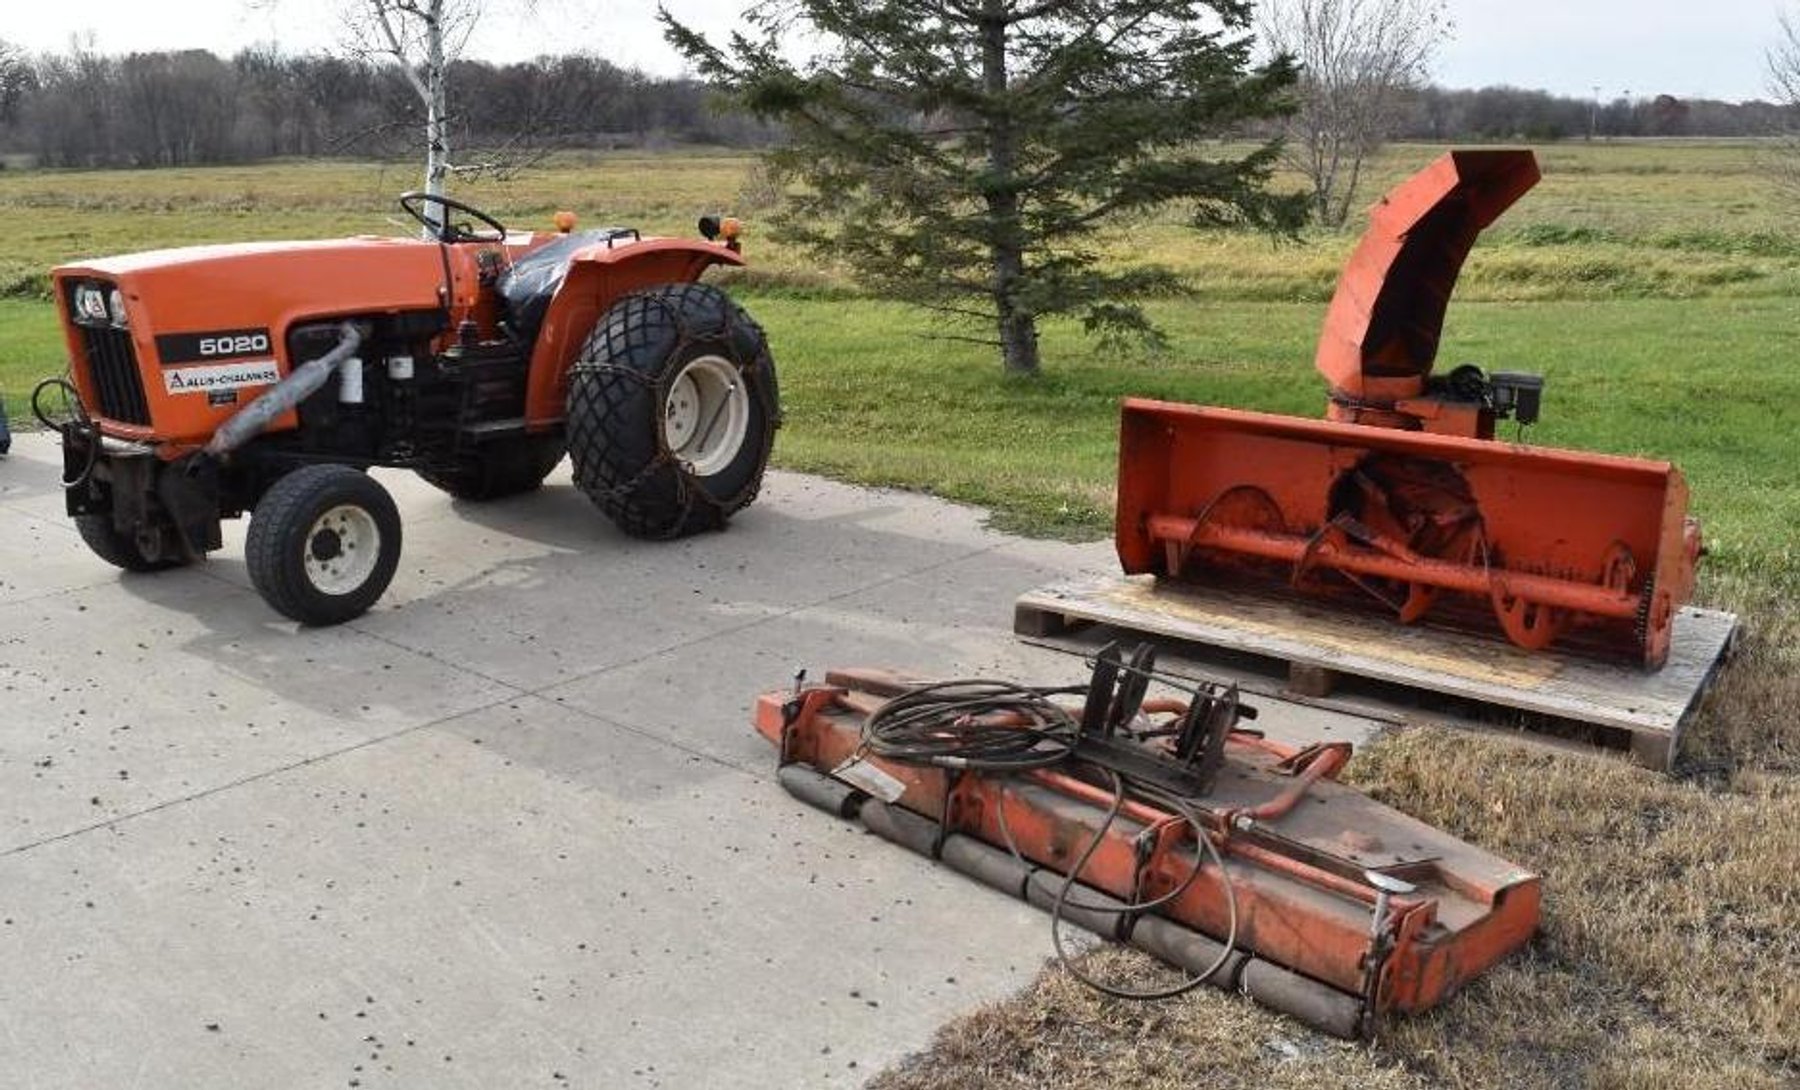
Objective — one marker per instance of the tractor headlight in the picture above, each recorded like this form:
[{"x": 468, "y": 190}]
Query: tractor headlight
[
  {"x": 115, "y": 304},
  {"x": 90, "y": 303}
]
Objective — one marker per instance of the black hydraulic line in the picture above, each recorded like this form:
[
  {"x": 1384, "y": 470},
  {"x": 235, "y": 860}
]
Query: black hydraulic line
[
  {"x": 972, "y": 724},
  {"x": 1005, "y": 728},
  {"x": 1228, "y": 945},
  {"x": 79, "y": 427}
]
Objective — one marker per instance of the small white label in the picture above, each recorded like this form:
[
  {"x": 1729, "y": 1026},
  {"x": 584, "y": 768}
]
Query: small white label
[
  {"x": 223, "y": 376},
  {"x": 864, "y": 776}
]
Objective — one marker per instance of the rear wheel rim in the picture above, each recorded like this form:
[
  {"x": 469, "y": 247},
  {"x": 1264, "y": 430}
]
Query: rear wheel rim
[
  {"x": 706, "y": 415},
  {"x": 342, "y": 548}
]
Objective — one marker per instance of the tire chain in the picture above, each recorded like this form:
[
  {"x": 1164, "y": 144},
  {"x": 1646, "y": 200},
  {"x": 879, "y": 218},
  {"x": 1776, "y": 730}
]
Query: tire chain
[{"x": 688, "y": 490}]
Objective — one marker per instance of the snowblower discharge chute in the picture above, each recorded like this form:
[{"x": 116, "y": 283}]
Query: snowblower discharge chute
[{"x": 1403, "y": 499}]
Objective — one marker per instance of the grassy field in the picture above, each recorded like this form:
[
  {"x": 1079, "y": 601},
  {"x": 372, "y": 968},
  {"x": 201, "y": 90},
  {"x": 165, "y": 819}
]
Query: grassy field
[{"x": 1654, "y": 285}]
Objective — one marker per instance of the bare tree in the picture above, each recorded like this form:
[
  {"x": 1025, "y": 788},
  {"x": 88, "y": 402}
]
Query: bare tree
[
  {"x": 16, "y": 81},
  {"x": 1784, "y": 62},
  {"x": 1784, "y": 85},
  {"x": 422, "y": 37},
  {"x": 1358, "y": 60}
]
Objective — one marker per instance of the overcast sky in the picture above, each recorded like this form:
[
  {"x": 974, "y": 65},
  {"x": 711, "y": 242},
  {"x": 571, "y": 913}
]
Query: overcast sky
[{"x": 1645, "y": 47}]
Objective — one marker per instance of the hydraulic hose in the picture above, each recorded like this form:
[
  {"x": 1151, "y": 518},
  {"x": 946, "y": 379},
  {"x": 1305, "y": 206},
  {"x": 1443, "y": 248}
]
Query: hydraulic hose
[
  {"x": 79, "y": 427},
  {"x": 1000, "y": 728}
]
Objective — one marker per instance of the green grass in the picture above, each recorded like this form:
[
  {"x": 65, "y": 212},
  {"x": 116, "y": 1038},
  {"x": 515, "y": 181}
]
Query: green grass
[
  {"x": 870, "y": 398},
  {"x": 31, "y": 348},
  {"x": 1651, "y": 283}
]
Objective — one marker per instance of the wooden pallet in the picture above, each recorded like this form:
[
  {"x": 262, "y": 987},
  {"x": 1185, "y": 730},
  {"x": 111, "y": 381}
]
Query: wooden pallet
[{"x": 1321, "y": 647}]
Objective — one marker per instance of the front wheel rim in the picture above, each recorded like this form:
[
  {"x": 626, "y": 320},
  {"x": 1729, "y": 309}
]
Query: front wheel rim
[
  {"x": 706, "y": 415},
  {"x": 342, "y": 548}
]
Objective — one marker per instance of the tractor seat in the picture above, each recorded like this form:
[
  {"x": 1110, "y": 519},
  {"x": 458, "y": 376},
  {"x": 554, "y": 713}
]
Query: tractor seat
[{"x": 528, "y": 286}]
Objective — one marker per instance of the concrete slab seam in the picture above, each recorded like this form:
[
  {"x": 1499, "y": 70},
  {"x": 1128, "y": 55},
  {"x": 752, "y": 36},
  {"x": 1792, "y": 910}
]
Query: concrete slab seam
[
  {"x": 793, "y": 611},
  {"x": 255, "y": 777}
]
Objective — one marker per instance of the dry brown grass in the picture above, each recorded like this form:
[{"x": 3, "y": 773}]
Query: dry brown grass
[
  {"x": 1669, "y": 956},
  {"x": 1059, "y": 1033}
]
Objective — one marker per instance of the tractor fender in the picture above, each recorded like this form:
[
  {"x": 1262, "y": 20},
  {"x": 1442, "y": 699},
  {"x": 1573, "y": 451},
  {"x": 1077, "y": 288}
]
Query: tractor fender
[{"x": 599, "y": 275}]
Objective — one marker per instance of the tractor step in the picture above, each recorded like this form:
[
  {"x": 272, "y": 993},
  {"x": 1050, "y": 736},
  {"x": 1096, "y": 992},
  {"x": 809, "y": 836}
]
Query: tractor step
[
  {"x": 1312, "y": 651},
  {"x": 485, "y": 430}
]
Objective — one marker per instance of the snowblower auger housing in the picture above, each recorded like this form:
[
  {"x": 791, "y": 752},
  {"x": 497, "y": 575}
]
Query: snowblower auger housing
[
  {"x": 1402, "y": 500},
  {"x": 211, "y": 381},
  {"x": 1160, "y": 822}
]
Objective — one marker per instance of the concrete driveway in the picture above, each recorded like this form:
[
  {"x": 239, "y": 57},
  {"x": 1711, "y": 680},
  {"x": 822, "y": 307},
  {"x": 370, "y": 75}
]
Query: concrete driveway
[{"x": 510, "y": 829}]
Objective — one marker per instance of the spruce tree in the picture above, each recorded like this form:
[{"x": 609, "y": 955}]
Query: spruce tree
[{"x": 967, "y": 154}]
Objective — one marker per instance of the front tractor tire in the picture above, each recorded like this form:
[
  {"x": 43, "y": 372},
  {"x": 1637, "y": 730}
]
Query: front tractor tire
[
  {"x": 323, "y": 545},
  {"x": 123, "y": 551},
  {"x": 500, "y": 468},
  {"x": 672, "y": 411}
]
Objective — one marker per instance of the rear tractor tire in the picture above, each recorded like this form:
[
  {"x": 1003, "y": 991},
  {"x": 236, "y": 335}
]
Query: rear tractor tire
[
  {"x": 501, "y": 468},
  {"x": 121, "y": 550},
  {"x": 672, "y": 411},
  {"x": 323, "y": 545}
]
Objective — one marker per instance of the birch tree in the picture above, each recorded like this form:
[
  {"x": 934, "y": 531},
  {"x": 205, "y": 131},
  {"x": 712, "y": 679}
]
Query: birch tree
[{"x": 422, "y": 37}]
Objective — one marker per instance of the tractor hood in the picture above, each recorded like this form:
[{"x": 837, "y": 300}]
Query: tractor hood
[
  {"x": 267, "y": 284},
  {"x": 189, "y": 256}
]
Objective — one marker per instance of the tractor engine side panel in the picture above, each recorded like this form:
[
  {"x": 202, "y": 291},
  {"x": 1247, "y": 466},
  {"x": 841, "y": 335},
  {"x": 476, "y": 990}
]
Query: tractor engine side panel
[{"x": 206, "y": 329}]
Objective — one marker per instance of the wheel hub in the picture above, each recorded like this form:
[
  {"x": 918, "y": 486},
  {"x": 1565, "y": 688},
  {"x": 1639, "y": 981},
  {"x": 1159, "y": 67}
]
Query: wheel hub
[
  {"x": 342, "y": 548},
  {"x": 706, "y": 415},
  {"x": 327, "y": 545}
]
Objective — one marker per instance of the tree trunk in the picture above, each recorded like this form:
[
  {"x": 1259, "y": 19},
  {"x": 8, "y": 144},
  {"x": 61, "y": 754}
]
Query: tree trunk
[
  {"x": 1018, "y": 340},
  {"x": 437, "y": 129},
  {"x": 1017, "y": 323}
]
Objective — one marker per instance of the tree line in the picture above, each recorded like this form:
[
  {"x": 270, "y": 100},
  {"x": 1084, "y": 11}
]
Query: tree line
[
  {"x": 1514, "y": 113},
  {"x": 188, "y": 108},
  {"x": 192, "y": 107}
]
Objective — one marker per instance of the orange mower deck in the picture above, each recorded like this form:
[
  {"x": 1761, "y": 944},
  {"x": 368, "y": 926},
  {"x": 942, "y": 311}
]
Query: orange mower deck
[
  {"x": 1230, "y": 857},
  {"x": 1403, "y": 500}
]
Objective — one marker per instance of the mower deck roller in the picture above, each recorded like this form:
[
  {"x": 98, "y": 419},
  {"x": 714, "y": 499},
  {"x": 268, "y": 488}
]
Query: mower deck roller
[
  {"x": 1270, "y": 878},
  {"x": 1551, "y": 544},
  {"x": 1403, "y": 496}
]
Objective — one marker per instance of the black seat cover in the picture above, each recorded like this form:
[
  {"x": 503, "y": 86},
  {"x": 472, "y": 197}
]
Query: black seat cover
[{"x": 528, "y": 286}]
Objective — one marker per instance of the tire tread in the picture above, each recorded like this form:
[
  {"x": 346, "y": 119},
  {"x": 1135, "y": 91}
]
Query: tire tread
[
  {"x": 281, "y": 514},
  {"x": 628, "y": 355}
]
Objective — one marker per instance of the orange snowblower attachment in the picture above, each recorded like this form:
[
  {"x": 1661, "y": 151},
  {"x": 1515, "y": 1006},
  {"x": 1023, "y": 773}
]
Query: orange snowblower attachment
[
  {"x": 1402, "y": 499},
  {"x": 1159, "y": 822}
]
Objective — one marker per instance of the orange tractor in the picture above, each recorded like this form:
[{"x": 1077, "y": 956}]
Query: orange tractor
[
  {"x": 1403, "y": 500},
  {"x": 267, "y": 378}
]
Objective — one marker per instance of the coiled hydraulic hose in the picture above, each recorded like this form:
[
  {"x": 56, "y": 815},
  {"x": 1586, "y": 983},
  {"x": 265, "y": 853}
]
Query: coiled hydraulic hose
[
  {"x": 1000, "y": 727},
  {"x": 79, "y": 427}
]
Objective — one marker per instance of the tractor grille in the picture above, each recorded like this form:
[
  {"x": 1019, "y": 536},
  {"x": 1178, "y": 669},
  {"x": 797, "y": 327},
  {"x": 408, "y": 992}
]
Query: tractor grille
[{"x": 113, "y": 370}]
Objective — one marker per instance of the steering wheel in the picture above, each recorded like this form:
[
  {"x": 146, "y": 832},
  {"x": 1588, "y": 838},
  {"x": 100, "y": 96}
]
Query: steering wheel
[{"x": 414, "y": 203}]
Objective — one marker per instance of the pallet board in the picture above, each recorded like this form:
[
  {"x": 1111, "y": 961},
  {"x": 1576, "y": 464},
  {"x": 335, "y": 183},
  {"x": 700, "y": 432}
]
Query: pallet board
[{"x": 1316, "y": 643}]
